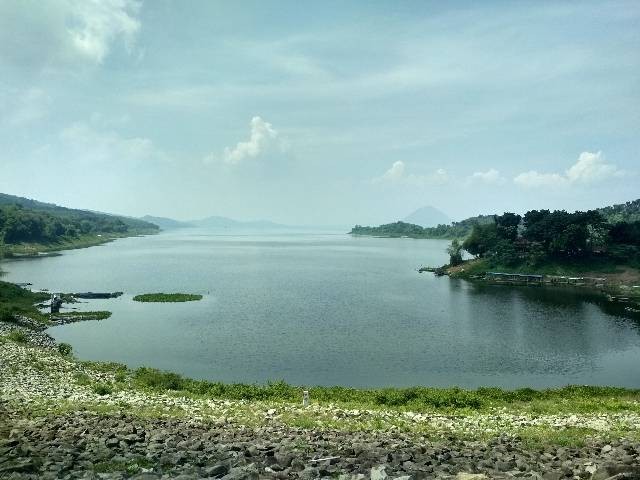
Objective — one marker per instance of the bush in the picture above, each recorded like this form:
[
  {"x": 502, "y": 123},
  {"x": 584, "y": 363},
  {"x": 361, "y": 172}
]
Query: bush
[
  {"x": 18, "y": 336},
  {"x": 65, "y": 349},
  {"x": 102, "y": 389},
  {"x": 6, "y": 314},
  {"x": 158, "y": 380}
]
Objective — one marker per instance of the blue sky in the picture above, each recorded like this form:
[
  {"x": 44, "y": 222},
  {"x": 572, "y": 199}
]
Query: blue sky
[{"x": 320, "y": 112}]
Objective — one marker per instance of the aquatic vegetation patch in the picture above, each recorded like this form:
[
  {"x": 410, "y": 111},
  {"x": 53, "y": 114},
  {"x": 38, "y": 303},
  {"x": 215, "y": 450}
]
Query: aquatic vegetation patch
[
  {"x": 95, "y": 315},
  {"x": 167, "y": 297}
]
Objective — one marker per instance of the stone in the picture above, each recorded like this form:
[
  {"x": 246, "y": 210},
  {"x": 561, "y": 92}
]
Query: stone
[
  {"x": 309, "y": 473},
  {"x": 218, "y": 470},
  {"x": 470, "y": 476},
  {"x": 379, "y": 472}
]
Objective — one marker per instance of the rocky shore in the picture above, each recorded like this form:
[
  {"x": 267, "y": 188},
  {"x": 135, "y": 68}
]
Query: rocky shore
[
  {"x": 61, "y": 418},
  {"x": 116, "y": 446}
]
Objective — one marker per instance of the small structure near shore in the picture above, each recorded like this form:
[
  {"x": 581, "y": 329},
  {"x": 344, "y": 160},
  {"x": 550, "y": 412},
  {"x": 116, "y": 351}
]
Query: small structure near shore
[
  {"x": 514, "y": 278},
  {"x": 56, "y": 303}
]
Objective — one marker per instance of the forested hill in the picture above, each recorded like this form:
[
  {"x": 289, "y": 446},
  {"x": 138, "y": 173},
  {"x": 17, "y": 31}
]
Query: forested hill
[
  {"x": 624, "y": 212},
  {"x": 26, "y": 221},
  {"x": 402, "y": 229}
]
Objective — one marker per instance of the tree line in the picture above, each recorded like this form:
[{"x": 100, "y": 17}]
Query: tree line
[
  {"x": 542, "y": 235},
  {"x": 24, "y": 225}
]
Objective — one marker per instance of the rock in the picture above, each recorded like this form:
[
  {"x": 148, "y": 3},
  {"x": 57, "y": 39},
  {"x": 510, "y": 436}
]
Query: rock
[
  {"x": 379, "y": 472},
  {"x": 283, "y": 459},
  {"x": 248, "y": 472},
  {"x": 309, "y": 473},
  {"x": 19, "y": 465},
  {"x": 218, "y": 470},
  {"x": 470, "y": 476},
  {"x": 590, "y": 469},
  {"x": 606, "y": 449}
]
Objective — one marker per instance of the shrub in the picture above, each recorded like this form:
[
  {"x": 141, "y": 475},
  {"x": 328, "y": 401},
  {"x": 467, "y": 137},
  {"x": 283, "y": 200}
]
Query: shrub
[
  {"x": 158, "y": 380},
  {"x": 65, "y": 349},
  {"x": 6, "y": 314},
  {"x": 102, "y": 389},
  {"x": 18, "y": 336}
]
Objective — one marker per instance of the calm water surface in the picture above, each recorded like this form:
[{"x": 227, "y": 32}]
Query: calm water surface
[{"x": 331, "y": 309}]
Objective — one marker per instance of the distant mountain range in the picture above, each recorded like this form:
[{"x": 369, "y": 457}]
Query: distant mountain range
[
  {"x": 428, "y": 217},
  {"x": 166, "y": 223},
  {"x": 221, "y": 223}
]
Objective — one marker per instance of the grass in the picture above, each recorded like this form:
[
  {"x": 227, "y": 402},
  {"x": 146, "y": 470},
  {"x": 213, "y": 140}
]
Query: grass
[
  {"x": 92, "y": 315},
  {"x": 570, "y": 398},
  {"x": 167, "y": 297},
  {"x": 538, "y": 437},
  {"x": 17, "y": 336},
  {"x": 550, "y": 267},
  {"x": 15, "y": 300},
  {"x": 131, "y": 467},
  {"x": 83, "y": 241}
]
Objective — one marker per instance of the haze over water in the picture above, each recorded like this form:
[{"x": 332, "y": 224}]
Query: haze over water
[{"x": 331, "y": 309}]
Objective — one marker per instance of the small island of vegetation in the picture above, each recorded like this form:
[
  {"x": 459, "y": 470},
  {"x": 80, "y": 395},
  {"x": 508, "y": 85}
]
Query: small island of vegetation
[{"x": 167, "y": 297}]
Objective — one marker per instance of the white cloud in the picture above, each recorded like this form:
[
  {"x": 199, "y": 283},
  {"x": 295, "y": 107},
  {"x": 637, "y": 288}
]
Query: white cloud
[
  {"x": 534, "y": 179},
  {"x": 397, "y": 175},
  {"x": 67, "y": 31},
  {"x": 490, "y": 177},
  {"x": 589, "y": 169},
  {"x": 90, "y": 146},
  {"x": 263, "y": 139},
  {"x": 22, "y": 107},
  {"x": 97, "y": 23}
]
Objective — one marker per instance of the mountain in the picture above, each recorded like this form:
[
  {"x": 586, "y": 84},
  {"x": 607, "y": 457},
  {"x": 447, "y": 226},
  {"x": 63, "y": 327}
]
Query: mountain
[
  {"x": 166, "y": 223},
  {"x": 428, "y": 217},
  {"x": 25, "y": 222},
  {"x": 403, "y": 229},
  {"x": 96, "y": 222}
]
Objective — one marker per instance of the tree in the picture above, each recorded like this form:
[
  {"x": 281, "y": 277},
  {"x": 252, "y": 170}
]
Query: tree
[
  {"x": 455, "y": 252},
  {"x": 482, "y": 240},
  {"x": 507, "y": 226}
]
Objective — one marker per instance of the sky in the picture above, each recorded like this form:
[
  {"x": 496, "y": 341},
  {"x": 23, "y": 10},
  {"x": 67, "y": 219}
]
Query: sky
[{"x": 327, "y": 112}]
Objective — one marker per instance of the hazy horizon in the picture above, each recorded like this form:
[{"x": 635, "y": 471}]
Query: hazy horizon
[{"x": 325, "y": 113}]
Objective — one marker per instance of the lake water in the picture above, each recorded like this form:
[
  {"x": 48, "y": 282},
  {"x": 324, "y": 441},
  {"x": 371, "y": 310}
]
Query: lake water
[{"x": 331, "y": 310}]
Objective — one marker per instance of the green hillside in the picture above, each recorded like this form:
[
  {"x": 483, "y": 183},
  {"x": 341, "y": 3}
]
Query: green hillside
[{"x": 27, "y": 226}]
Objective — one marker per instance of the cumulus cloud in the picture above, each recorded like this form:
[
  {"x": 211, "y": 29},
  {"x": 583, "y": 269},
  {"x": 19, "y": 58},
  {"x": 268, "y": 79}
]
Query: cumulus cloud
[
  {"x": 263, "y": 138},
  {"x": 490, "y": 177},
  {"x": 589, "y": 169},
  {"x": 397, "y": 175},
  {"x": 68, "y": 31}
]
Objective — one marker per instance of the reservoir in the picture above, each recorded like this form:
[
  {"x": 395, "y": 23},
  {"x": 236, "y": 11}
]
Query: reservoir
[{"x": 331, "y": 309}]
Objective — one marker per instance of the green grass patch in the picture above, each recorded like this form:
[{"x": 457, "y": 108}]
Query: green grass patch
[
  {"x": 579, "y": 398},
  {"x": 167, "y": 297},
  {"x": 102, "y": 389},
  {"x": 572, "y": 437},
  {"x": 94, "y": 315},
  {"x": 15, "y": 300},
  {"x": 17, "y": 336},
  {"x": 130, "y": 467},
  {"x": 566, "y": 267}
]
